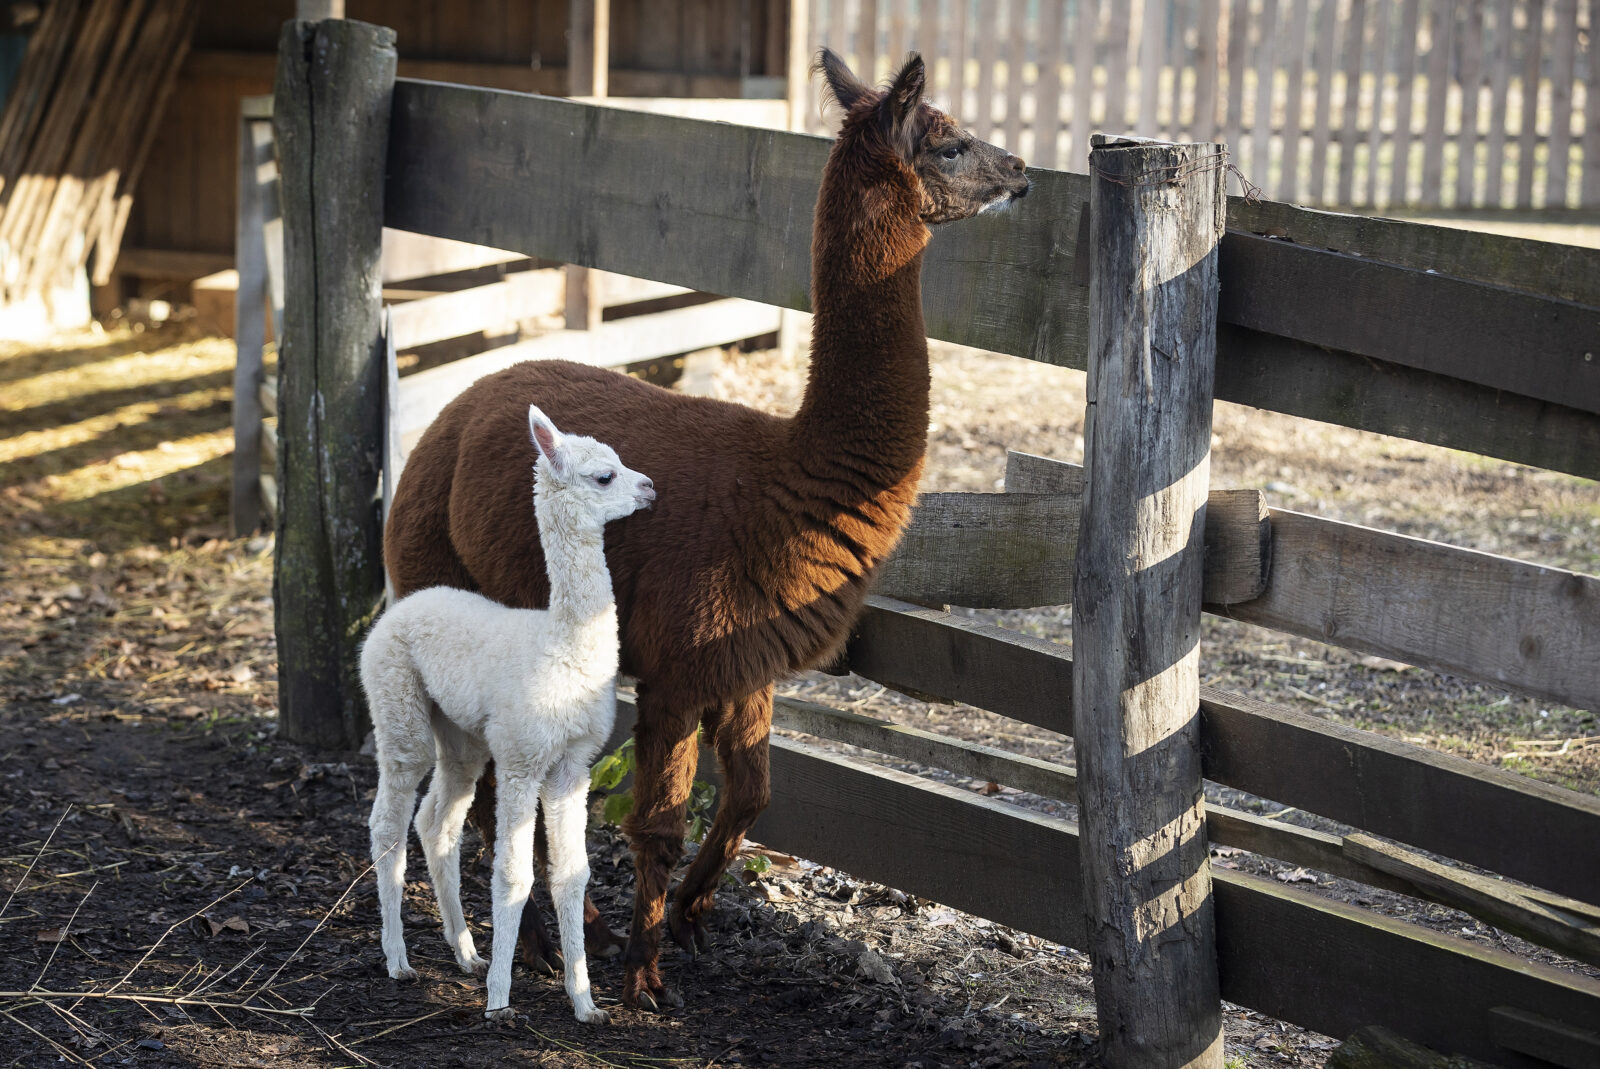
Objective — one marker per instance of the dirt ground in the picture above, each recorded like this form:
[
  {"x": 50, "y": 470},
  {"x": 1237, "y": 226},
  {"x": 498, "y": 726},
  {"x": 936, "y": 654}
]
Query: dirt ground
[{"x": 182, "y": 888}]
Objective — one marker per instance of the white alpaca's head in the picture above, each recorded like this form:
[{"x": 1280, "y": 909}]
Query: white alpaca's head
[{"x": 591, "y": 483}]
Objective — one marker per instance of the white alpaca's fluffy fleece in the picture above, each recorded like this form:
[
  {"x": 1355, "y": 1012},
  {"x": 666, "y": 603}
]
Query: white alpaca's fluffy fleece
[{"x": 454, "y": 679}]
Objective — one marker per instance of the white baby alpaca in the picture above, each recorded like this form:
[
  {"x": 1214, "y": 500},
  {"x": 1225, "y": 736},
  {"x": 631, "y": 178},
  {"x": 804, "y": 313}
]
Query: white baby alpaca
[{"x": 531, "y": 688}]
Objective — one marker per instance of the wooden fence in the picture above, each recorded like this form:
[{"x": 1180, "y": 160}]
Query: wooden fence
[
  {"x": 1372, "y": 103},
  {"x": 1477, "y": 342}
]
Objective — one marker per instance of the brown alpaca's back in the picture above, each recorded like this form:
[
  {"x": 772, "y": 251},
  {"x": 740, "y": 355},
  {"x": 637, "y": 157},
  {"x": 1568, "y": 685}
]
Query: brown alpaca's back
[{"x": 748, "y": 567}]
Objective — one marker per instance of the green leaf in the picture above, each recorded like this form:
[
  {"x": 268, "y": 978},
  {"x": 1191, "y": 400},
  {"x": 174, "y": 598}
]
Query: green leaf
[
  {"x": 618, "y": 806},
  {"x": 757, "y": 863},
  {"x": 697, "y": 830}
]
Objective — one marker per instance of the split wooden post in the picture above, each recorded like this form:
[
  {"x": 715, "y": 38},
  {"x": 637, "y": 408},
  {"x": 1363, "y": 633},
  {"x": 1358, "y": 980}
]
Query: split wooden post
[
  {"x": 331, "y": 114},
  {"x": 1156, "y": 216},
  {"x": 588, "y": 75}
]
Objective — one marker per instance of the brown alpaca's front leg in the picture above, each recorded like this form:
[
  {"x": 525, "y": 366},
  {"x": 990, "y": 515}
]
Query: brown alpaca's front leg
[
  {"x": 666, "y": 750},
  {"x": 741, "y": 741}
]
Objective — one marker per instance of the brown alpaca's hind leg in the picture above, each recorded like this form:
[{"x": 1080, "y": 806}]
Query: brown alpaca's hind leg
[
  {"x": 535, "y": 948},
  {"x": 741, "y": 741},
  {"x": 666, "y": 749}
]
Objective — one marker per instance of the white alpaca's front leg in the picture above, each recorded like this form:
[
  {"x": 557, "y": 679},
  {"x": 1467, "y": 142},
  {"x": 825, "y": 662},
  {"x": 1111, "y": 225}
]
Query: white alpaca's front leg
[
  {"x": 391, "y": 813},
  {"x": 516, "y": 807},
  {"x": 565, "y": 794},
  {"x": 439, "y": 823}
]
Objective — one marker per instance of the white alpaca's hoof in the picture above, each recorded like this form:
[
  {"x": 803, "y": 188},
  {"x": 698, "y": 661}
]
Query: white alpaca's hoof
[
  {"x": 402, "y": 971},
  {"x": 504, "y": 1013},
  {"x": 594, "y": 1016},
  {"x": 473, "y": 966}
]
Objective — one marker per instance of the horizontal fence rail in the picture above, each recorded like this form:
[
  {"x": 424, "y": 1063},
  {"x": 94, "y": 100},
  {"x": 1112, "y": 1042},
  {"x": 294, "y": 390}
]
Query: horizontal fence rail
[
  {"x": 1378, "y": 103},
  {"x": 726, "y": 209},
  {"x": 1289, "y": 953}
]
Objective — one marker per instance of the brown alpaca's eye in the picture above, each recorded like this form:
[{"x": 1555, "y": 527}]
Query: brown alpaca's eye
[
  {"x": 951, "y": 153},
  {"x": 605, "y": 477}
]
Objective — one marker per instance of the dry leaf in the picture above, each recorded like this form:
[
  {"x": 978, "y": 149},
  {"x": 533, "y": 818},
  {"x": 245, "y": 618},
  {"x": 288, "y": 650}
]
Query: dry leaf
[
  {"x": 51, "y": 935},
  {"x": 1297, "y": 876},
  {"x": 990, "y": 788}
]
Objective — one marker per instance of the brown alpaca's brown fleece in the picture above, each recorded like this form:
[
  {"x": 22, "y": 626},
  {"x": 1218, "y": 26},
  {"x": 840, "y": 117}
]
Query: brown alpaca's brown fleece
[{"x": 766, "y": 531}]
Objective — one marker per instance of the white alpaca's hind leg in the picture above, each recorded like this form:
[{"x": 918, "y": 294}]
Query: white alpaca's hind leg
[
  {"x": 516, "y": 806},
  {"x": 439, "y": 823},
  {"x": 565, "y": 794},
  {"x": 398, "y": 778}
]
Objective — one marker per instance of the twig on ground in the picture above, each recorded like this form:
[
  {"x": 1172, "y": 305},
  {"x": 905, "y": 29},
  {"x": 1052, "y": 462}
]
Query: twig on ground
[
  {"x": 158, "y": 1000},
  {"x": 42, "y": 848},
  {"x": 359, "y": 877},
  {"x": 176, "y": 925},
  {"x": 64, "y": 1051},
  {"x": 398, "y": 1027},
  {"x": 65, "y": 933}
]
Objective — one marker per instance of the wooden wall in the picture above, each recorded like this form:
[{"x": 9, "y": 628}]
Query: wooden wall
[{"x": 678, "y": 47}]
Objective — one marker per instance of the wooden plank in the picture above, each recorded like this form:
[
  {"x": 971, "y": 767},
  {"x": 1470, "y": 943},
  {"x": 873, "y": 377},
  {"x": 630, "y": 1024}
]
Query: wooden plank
[
  {"x": 1521, "y": 626},
  {"x": 866, "y": 57},
  {"x": 1486, "y": 617},
  {"x": 519, "y": 295},
  {"x": 1116, "y": 53},
  {"x": 1207, "y": 63},
  {"x": 615, "y": 344},
  {"x": 1349, "y": 128},
  {"x": 1499, "y": 105},
  {"x": 588, "y": 70},
  {"x": 249, "y": 334},
  {"x": 1471, "y": 97},
  {"x": 796, "y": 45},
  {"x": 1238, "y": 49},
  {"x": 672, "y": 210},
  {"x": 1567, "y": 272},
  {"x": 1569, "y": 1046},
  {"x": 926, "y": 651},
  {"x": 1532, "y": 75},
  {"x": 1442, "y": 18},
  {"x": 410, "y": 256},
  {"x": 1405, "y": 72},
  {"x": 1267, "y": 54},
  {"x": 988, "y": 30},
  {"x": 1152, "y": 42},
  {"x": 331, "y": 117},
  {"x": 1322, "y": 121},
  {"x": 1482, "y": 334},
  {"x": 1137, "y": 581},
  {"x": 1016, "y": 64},
  {"x": 899, "y": 42},
  {"x": 1047, "y": 91},
  {"x": 1176, "y": 61},
  {"x": 268, "y": 395},
  {"x": 1563, "y": 67},
  {"x": 1491, "y": 901},
  {"x": 985, "y": 551},
  {"x": 1591, "y": 114},
  {"x": 1294, "y": 107},
  {"x": 1086, "y": 31},
  {"x": 1380, "y": 54},
  {"x": 1334, "y": 968}
]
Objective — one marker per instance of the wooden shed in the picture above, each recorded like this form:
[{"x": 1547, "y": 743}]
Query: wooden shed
[{"x": 183, "y": 218}]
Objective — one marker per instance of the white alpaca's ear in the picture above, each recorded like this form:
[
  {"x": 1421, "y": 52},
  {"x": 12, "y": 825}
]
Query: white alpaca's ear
[{"x": 549, "y": 442}]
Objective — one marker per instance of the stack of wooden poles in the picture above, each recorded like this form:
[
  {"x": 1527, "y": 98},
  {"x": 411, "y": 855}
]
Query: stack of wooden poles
[{"x": 76, "y": 131}]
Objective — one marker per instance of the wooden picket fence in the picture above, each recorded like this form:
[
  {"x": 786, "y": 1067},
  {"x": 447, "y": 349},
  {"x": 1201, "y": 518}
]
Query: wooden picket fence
[
  {"x": 1372, "y": 103},
  {"x": 1472, "y": 341}
]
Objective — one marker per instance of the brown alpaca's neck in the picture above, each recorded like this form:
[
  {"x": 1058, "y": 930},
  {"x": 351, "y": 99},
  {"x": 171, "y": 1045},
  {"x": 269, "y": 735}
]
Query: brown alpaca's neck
[{"x": 867, "y": 395}]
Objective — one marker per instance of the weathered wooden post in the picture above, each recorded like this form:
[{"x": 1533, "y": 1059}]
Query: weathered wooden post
[
  {"x": 1157, "y": 212},
  {"x": 331, "y": 116}
]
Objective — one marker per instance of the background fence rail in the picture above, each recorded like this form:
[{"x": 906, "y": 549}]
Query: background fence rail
[{"x": 1376, "y": 103}]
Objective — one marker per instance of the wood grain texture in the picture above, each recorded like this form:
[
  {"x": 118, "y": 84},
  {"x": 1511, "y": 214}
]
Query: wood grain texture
[
  {"x": 520, "y": 295},
  {"x": 1137, "y": 581},
  {"x": 331, "y": 114},
  {"x": 249, "y": 331},
  {"x": 1521, "y": 626},
  {"x": 1555, "y": 1042},
  {"x": 1489, "y": 900}
]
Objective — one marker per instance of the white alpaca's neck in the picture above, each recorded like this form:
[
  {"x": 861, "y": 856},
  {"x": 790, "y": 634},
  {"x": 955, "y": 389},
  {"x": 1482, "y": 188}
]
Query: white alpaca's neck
[{"x": 581, "y": 599}]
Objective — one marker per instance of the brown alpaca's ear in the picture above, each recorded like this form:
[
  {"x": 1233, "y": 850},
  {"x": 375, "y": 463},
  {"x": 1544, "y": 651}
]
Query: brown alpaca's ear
[
  {"x": 843, "y": 86},
  {"x": 901, "y": 103}
]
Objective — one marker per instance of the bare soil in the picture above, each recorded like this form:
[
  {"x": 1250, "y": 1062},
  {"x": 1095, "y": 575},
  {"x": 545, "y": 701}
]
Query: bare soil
[{"x": 160, "y": 845}]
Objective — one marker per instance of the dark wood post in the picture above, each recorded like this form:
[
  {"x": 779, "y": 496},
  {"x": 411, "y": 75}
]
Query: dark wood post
[
  {"x": 331, "y": 115},
  {"x": 1156, "y": 215}
]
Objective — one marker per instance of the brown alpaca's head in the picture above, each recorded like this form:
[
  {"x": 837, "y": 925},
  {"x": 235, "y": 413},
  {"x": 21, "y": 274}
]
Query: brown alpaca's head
[{"x": 959, "y": 175}]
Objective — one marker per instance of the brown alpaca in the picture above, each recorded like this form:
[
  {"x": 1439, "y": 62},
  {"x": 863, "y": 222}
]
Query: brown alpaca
[{"x": 766, "y": 531}]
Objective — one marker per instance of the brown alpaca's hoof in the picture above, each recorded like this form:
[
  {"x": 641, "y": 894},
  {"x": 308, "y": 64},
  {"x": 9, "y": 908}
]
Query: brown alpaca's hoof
[
  {"x": 599, "y": 940},
  {"x": 642, "y": 991},
  {"x": 534, "y": 948},
  {"x": 690, "y": 934}
]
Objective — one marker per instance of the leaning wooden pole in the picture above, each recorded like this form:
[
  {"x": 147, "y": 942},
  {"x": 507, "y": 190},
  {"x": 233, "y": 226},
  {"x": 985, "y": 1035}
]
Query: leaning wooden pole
[
  {"x": 1156, "y": 215},
  {"x": 331, "y": 117}
]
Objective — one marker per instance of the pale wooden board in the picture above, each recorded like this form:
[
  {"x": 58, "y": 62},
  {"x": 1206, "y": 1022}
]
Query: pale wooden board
[
  {"x": 1563, "y": 65},
  {"x": 624, "y": 341},
  {"x": 1349, "y": 131},
  {"x": 1442, "y": 18},
  {"x": 1505, "y": 622},
  {"x": 1471, "y": 98},
  {"x": 1375, "y": 132},
  {"x": 1086, "y": 31},
  {"x": 1261, "y": 123},
  {"x": 1531, "y": 72},
  {"x": 249, "y": 334},
  {"x": 1499, "y": 95},
  {"x": 1405, "y": 69},
  {"x": 1294, "y": 107},
  {"x": 407, "y": 256},
  {"x": 520, "y": 295},
  {"x": 1322, "y": 120}
]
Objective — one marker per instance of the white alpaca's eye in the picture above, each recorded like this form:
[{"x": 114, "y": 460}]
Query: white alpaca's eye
[{"x": 605, "y": 477}]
